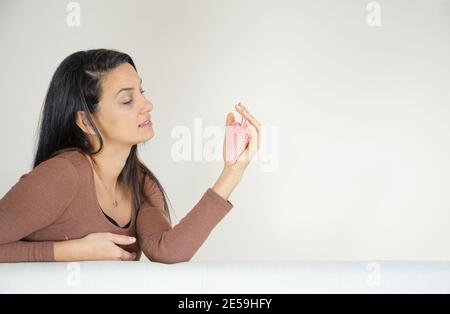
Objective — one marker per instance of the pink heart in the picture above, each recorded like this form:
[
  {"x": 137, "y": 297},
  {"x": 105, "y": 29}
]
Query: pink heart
[{"x": 236, "y": 141}]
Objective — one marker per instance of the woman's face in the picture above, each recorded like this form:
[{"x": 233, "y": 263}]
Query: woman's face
[{"x": 123, "y": 107}]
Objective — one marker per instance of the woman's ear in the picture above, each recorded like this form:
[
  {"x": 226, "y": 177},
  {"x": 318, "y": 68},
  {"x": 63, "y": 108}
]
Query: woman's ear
[{"x": 83, "y": 123}]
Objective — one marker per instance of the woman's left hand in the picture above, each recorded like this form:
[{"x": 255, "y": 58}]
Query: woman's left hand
[
  {"x": 254, "y": 128},
  {"x": 232, "y": 174}
]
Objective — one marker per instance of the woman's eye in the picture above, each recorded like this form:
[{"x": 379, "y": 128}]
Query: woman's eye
[{"x": 131, "y": 100}]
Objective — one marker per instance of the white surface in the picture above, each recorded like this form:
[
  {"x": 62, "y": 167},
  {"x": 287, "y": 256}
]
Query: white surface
[{"x": 238, "y": 277}]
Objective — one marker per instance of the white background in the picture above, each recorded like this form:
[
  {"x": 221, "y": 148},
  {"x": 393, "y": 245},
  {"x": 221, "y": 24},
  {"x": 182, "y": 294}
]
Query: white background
[{"x": 363, "y": 114}]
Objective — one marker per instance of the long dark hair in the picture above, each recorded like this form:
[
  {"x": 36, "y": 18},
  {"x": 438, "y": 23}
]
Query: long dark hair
[{"x": 75, "y": 86}]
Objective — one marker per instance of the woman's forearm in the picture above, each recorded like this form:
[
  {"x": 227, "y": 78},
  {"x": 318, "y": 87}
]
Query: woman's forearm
[
  {"x": 26, "y": 251},
  {"x": 67, "y": 251},
  {"x": 227, "y": 182}
]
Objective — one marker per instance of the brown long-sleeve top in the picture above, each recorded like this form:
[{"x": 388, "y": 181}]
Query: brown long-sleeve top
[{"x": 56, "y": 201}]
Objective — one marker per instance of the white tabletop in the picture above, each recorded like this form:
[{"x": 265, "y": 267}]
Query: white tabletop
[{"x": 234, "y": 277}]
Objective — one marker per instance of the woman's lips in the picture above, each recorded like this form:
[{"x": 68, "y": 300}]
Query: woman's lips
[{"x": 146, "y": 124}]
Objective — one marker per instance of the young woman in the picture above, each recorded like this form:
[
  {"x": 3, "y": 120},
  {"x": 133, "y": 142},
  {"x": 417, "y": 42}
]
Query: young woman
[{"x": 88, "y": 196}]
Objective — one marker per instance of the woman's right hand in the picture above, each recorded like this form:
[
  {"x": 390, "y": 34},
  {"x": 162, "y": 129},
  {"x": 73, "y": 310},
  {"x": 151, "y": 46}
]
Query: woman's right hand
[{"x": 94, "y": 247}]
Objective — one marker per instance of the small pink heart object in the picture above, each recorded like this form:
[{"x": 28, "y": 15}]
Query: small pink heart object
[{"x": 237, "y": 139}]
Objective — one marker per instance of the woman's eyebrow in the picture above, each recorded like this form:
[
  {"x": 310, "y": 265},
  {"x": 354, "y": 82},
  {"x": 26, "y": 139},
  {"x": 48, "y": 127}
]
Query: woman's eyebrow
[{"x": 126, "y": 88}]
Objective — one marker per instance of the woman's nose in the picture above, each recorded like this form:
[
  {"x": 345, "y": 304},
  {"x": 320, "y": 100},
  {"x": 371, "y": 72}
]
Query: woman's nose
[{"x": 148, "y": 106}]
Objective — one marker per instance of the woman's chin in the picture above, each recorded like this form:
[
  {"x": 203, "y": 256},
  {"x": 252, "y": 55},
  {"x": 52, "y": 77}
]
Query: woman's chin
[{"x": 146, "y": 134}]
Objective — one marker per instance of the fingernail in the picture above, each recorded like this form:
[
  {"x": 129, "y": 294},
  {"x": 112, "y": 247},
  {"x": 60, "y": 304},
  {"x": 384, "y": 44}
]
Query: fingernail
[{"x": 132, "y": 239}]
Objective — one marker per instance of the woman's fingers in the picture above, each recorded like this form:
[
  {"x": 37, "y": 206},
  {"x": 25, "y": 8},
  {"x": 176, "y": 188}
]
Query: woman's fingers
[
  {"x": 121, "y": 239},
  {"x": 123, "y": 255},
  {"x": 107, "y": 246},
  {"x": 251, "y": 120},
  {"x": 243, "y": 110},
  {"x": 230, "y": 119},
  {"x": 253, "y": 146},
  {"x": 252, "y": 126}
]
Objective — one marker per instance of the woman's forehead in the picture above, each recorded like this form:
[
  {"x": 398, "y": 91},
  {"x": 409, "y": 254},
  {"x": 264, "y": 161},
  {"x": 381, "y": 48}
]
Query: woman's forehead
[{"x": 121, "y": 77}]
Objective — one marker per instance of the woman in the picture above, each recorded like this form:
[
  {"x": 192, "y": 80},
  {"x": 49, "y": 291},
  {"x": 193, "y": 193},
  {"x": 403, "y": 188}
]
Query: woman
[{"x": 88, "y": 196}]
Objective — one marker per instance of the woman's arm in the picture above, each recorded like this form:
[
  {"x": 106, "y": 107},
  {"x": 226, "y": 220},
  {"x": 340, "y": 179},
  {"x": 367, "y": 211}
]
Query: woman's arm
[
  {"x": 23, "y": 251},
  {"x": 34, "y": 202},
  {"x": 94, "y": 247},
  {"x": 227, "y": 182},
  {"x": 161, "y": 242}
]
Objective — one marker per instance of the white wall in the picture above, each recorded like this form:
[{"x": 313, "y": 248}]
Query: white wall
[{"x": 359, "y": 168}]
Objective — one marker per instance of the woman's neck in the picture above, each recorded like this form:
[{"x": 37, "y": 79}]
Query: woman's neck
[{"x": 109, "y": 164}]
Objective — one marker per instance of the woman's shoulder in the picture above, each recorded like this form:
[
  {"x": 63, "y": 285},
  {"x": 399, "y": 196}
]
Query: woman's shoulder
[
  {"x": 149, "y": 185},
  {"x": 47, "y": 189},
  {"x": 67, "y": 165},
  {"x": 71, "y": 154}
]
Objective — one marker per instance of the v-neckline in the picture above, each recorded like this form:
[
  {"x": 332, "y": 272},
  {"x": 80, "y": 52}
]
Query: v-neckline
[{"x": 132, "y": 220}]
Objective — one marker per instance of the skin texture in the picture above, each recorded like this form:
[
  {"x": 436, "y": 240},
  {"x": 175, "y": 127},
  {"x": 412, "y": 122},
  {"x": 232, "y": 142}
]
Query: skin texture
[{"x": 123, "y": 107}]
